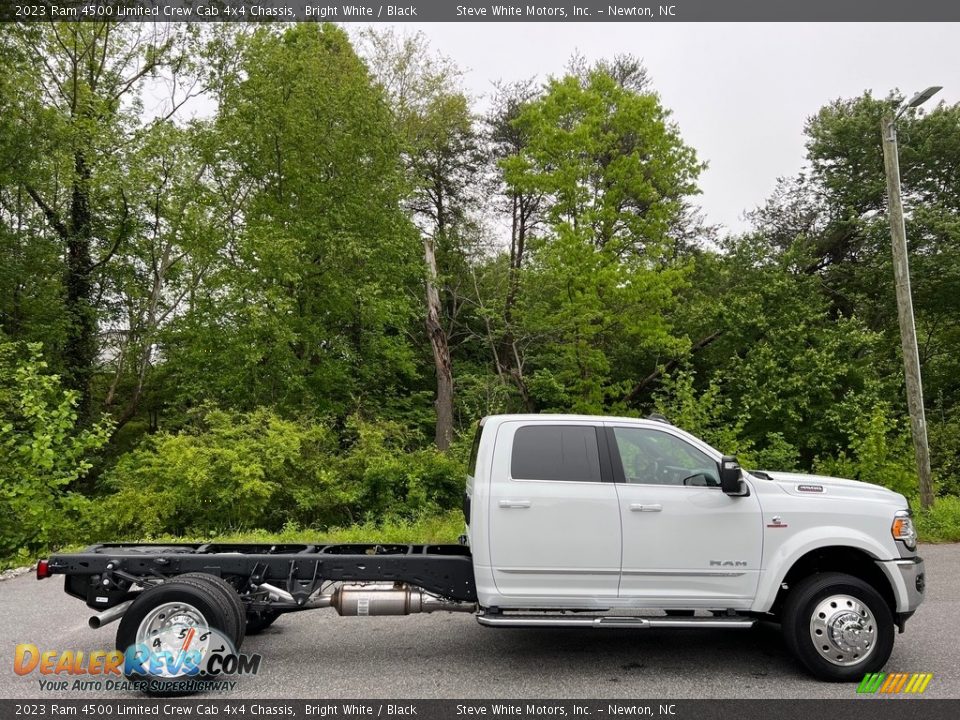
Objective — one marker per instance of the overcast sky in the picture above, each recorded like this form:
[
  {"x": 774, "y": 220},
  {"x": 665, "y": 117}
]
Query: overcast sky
[{"x": 739, "y": 92}]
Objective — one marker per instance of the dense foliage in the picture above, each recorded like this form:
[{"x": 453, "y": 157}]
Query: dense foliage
[
  {"x": 271, "y": 278},
  {"x": 42, "y": 454},
  {"x": 233, "y": 470}
]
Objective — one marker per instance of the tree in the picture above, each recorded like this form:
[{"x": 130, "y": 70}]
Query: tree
[
  {"x": 624, "y": 69},
  {"x": 307, "y": 306},
  {"x": 508, "y": 139},
  {"x": 613, "y": 174},
  {"x": 84, "y": 83},
  {"x": 444, "y": 163},
  {"x": 174, "y": 242},
  {"x": 31, "y": 308}
]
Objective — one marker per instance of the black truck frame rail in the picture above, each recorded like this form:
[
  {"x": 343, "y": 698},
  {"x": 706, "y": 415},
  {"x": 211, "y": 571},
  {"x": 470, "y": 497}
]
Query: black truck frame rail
[{"x": 106, "y": 575}]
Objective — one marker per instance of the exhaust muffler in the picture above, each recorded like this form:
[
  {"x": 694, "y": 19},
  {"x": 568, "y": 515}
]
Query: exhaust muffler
[{"x": 364, "y": 600}]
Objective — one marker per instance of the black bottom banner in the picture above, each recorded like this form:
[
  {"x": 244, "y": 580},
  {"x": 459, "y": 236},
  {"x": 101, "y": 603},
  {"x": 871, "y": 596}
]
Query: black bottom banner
[{"x": 859, "y": 708}]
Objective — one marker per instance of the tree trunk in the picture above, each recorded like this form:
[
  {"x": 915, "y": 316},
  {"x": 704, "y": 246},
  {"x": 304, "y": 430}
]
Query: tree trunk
[
  {"x": 518, "y": 234},
  {"x": 441, "y": 351},
  {"x": 80, "y": 349}
]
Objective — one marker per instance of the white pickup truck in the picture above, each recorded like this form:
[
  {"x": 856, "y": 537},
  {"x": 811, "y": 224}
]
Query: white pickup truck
[{"x": 572, "y": 521}]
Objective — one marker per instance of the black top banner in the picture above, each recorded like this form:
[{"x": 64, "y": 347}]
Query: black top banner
[
  {"x": 475, "y": 11},
  {"x": 516, "y": 709}
]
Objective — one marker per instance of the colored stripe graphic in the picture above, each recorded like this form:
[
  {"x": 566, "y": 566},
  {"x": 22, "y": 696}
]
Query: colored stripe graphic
[
  {"x": 926, "y": 681},
  {"x": 871, "y": 682},
  {"x": 894, "y": 683},
  {"x": 894, "y": 686},
  {"x": 890, "y": 682}
]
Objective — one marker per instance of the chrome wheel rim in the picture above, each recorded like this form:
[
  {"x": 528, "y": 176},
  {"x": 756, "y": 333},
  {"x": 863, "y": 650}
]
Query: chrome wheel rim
[
  {"x": 161, "y": 630},
  {"x": 843, "y": 630}
]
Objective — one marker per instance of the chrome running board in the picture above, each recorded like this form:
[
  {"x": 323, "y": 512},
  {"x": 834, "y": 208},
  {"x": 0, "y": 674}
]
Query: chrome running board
[{"x": 614, "y": 621}]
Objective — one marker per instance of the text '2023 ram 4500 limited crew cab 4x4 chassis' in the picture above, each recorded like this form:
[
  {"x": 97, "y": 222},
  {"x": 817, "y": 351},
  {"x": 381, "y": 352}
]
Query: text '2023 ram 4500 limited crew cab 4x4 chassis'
[{"x": 572, "y": 521}]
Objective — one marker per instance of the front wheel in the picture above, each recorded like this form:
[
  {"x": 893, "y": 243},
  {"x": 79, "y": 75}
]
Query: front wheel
[{"x": 838, "y": 626}]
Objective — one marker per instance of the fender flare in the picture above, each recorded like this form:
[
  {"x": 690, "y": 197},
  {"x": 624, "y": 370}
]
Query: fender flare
[{"x": 782, "y": 561}]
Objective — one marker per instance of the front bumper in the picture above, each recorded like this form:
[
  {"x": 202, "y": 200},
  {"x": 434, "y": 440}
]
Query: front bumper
[{"x": 908, "y": 580}]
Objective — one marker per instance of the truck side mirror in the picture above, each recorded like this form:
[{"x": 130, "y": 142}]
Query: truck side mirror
[{"x": 730, "y": 478}]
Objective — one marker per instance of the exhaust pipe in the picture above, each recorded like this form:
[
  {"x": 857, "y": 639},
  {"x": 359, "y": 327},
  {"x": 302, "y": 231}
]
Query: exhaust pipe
[
  {"x": 279, "y": 594},
  {"x": 276, "y": 593},
  {"x": 108, "y": 616}
]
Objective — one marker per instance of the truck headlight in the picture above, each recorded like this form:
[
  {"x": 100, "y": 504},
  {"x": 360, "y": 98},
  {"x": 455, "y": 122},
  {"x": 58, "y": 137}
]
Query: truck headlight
[{"x": 902, "y": 529}]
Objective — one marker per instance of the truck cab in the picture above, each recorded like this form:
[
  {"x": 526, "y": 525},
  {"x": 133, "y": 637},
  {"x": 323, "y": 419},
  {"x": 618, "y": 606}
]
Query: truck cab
[{"x": 600, "y": 513}]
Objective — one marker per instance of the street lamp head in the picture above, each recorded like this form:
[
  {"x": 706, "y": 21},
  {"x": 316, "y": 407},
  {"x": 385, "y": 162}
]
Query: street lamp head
[{"x": 921, "y": 97}]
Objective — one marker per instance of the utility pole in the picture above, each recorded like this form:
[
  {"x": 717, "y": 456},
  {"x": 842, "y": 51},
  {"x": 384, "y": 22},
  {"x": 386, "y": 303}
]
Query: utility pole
[{"x": 901, "y": 273}]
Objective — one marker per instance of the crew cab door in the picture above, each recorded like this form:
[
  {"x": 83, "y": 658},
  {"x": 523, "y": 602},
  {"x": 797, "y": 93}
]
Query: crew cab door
[
  {"x": 554, "y": 520},
  {"x": 684, "y": 541}
]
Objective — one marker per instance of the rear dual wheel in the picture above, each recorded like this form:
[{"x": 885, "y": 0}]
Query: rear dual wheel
[{"x": 170, "y": 629}]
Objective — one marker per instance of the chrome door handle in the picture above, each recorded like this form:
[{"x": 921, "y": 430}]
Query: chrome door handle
[
  {"x": 638, "y": 507},
  {"x": 514, "y": 503}
]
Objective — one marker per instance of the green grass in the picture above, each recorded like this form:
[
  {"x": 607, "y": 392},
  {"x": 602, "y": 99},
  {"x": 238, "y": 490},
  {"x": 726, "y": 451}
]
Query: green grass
[
  {"x": 940, "y": 524},
  {"x": 444, "y": 528}
]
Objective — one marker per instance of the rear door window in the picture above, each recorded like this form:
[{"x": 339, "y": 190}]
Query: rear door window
[{"x": 556, "y": 452}]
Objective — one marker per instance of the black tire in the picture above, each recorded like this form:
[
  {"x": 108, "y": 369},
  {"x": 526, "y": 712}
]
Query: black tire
[
  {"x": 228, "y": 591},
  {"x": 815, "y": 596},
  {"x": 206, "y": 597},
  {"x": 257, "y": 622}
]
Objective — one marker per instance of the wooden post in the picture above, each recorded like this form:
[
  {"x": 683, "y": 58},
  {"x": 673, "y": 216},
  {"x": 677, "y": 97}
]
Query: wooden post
[{"x": 908, "y": 330}]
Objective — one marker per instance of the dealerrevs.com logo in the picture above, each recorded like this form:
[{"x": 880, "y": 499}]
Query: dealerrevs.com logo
[
  {"x": 178, "y": 658},
  {"x": 894, "y": 683}
]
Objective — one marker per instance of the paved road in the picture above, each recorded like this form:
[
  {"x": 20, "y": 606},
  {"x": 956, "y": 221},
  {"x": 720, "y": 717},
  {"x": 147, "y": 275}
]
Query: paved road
[{"x": 318, "y": 654}]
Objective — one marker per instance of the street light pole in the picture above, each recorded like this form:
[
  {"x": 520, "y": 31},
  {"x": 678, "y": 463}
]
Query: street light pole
[{"x": 901, "y": 273}]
